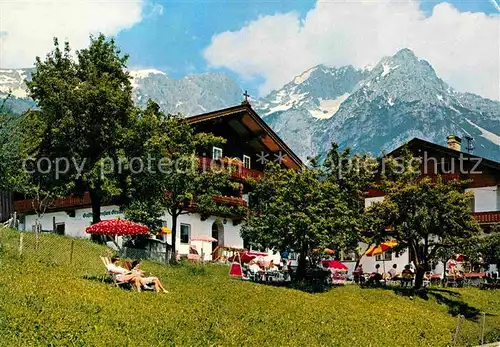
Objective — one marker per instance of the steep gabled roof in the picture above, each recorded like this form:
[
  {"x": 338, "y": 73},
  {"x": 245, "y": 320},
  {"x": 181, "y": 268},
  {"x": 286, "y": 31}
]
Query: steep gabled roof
[
  {"x": 449, "y": 152},
  {"x": 254, "y": 123}
]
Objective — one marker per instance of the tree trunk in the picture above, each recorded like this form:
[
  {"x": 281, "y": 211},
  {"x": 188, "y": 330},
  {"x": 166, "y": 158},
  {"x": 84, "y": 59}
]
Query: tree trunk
[
  {"x": 360, "y": 255},
  {"x": 95, "y": 200},
  {"x": 419, "y": 275},
  {"x": 173, "y": 255},
  {"x": 301, "y": 266}
]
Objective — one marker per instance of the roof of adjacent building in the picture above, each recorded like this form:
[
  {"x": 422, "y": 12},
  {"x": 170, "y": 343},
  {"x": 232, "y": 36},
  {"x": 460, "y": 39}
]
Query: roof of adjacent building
[{"x": 449, "y": 152}]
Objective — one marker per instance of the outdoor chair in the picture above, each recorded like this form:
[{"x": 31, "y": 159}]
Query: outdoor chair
[
  {"x": 106, "y": 261},
  {"x": 193, "y": 254},
  {"x": 407, "y": 281},
  {"x": 126, "y": 285}
]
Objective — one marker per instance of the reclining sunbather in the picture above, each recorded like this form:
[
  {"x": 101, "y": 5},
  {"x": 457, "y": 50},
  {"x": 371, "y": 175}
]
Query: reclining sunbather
[
  {"x": 123, "y": 275},
  {"x": 147, "y": 280}
]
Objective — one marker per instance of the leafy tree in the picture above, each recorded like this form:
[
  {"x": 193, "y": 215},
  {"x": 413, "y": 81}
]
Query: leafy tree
[
  {"x": 173, "y": 180},
  {"x": 85, "y": 108},
  {"x": 295, "y": 209},
  {"x": 353, "y": 175},
  {"x": 429, "y": 218},
  {"x": 490, "y": 247},
  {"x": 9, "y": 145}
]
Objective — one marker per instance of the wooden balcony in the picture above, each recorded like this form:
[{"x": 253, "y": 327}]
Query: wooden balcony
[
  {"x": 490, "y": 217},
  {"x": 29, "y": 205},
  {"x": 240, "y": 172},
  {"x": 230, "y": 200}
]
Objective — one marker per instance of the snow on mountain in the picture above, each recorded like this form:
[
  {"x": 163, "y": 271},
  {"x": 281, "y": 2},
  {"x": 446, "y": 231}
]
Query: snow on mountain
[
  {"x": 378, "y": 108},
  {"x": 486, "y": 134},
  {"x": 189, "y": 95},
  {"x": 373, "y": 109}
]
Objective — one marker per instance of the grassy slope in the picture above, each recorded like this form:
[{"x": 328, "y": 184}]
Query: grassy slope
[{"x": 46, "y": 301}]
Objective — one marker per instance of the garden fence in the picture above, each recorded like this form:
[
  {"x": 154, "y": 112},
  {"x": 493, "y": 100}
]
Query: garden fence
[{"x": 71, "y": 251}]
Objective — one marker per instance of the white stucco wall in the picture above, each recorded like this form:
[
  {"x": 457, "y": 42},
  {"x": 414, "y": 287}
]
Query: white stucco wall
[
  {"x": 229, "y": 234},
  {"x": 75, "y": 227},
  {"x": 486, "y": 198},
  {"x": 369, "y": 263}
]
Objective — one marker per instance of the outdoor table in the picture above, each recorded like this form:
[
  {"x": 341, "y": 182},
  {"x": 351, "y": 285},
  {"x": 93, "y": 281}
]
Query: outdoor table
[
  {"x": 474, "y": 274},
  {"x": 474, "y": 278}
]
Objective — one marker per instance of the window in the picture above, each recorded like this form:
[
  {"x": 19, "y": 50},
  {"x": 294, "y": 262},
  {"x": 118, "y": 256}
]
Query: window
[
  {"x": 185, "y": 232},
  {"x": 216, "y": 153},
  {"x": 384, "y": 256},
  {"x": 246, "y": 161}
]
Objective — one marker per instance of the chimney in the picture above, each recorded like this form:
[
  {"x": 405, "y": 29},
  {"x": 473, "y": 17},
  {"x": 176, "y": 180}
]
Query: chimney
[{"x": 454, "y": 142}]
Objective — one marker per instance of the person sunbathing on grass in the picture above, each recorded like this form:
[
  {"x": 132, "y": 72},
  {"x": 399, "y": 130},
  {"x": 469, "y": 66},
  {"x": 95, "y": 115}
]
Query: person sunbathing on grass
[
  {"x": 146, "y": 280},
  {"x": 123, "y": 275}
]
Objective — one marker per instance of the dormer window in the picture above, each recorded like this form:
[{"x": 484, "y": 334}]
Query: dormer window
[
  {"x": 216, "y": 153},
  {"x": 246, "y": 161}
]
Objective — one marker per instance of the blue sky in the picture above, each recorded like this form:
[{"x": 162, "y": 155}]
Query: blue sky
[
  {"x": 263, "y": 44},
  {"x": 173, "y": 40}
]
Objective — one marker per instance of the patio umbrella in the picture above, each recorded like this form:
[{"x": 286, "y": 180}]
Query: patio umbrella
[
  {"x": 247, "y": 256},
  {"x": 203, "y": 238},
  {"x": 117, "y": 227},
  {"x": 334, "y": 264},
  {"x": 381, "y": 248},
  {"x": 165, "y": 231}
]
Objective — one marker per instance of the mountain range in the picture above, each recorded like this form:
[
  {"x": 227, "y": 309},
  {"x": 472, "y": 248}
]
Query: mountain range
[{"x": 370, "y": 110}]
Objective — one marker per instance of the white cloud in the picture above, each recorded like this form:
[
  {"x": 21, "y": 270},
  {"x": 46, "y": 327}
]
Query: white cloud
[
  {"x": 28, "y": 27},
  {"x": 462, "y": 47}
]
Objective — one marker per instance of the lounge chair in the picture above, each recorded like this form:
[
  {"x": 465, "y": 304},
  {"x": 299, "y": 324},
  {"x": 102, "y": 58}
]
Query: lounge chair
[
  {"x": 120, "y": 284},
  {"x": 106, "y": 261}
]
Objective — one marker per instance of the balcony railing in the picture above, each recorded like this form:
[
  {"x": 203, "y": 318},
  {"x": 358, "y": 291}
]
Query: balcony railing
[
  {"x": 231, "y": 200},
  {"x": 29, "y": 205},
  {"x": 239, "y": 172},
  {"x": 487, "y": 217}
]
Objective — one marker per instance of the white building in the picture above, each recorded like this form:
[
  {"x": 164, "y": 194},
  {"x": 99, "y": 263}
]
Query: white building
[
  {"x": 248, "y": 138},
  {"x": 447, "y": 161}
]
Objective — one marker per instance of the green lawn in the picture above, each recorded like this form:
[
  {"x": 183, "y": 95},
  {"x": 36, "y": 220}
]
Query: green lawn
[{"x": 47, "y": 301}]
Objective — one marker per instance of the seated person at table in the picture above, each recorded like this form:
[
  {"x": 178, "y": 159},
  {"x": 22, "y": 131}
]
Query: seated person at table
[
  {"x": 123, "y": 275},
  {"x": 147, "y": 280},
  {"x": 272, "y": 267},
  {"x": 406, "y": 275},
  {"x": 358, "y": 274},
  {"x": 392, "y": 272},
  {"x": 254, "y": 267}
]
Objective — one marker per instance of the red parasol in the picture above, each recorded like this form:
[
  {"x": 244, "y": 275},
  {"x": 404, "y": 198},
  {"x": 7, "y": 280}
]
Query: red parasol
[
  {"x": 248, "y": 256},
  {"x": 334, "y": 264},
  {"x": 118, "y": 227}
]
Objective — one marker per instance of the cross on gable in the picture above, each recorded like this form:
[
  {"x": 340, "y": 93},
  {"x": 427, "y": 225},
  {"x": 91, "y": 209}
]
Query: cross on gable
[{"x": 246, "y": 95}]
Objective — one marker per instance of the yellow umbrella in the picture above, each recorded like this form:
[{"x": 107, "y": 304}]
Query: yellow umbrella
[
  {"x": 165, "y": 230},
  {"x": 381, "y": 248}
]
